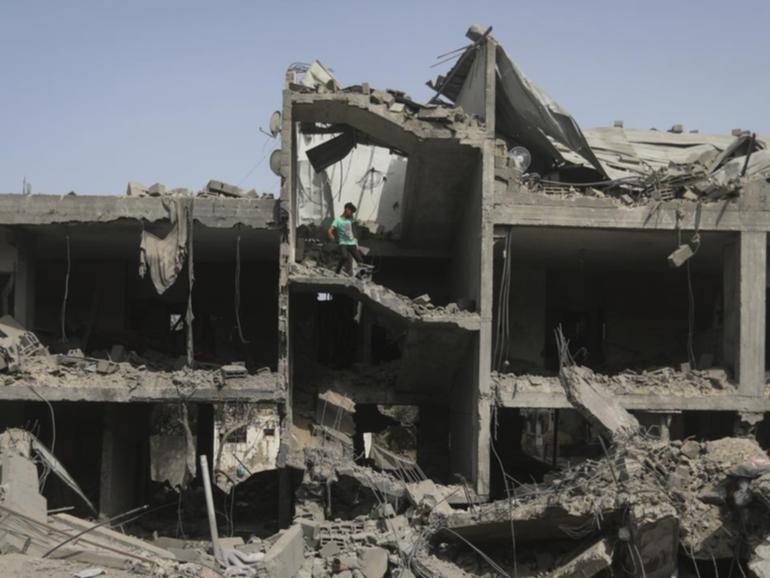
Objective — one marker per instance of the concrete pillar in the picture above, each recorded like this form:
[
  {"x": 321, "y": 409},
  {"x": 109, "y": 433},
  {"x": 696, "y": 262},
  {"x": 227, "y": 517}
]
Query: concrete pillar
[
  {"x": 285, "y": 498},
  {"x": 483, "y": 418},
  {"x": 366, "y": 337},
  {"x": 744, "y": 281},
  {"x": 118, "y": 477},
  {"x": 657, "y": 422},
  {"x": 24, "y": 283}
]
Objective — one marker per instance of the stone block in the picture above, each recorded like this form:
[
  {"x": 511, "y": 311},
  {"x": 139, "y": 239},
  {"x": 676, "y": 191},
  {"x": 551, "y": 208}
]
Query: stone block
[
  {"x": 373, "y": 562},
  {"x": 286, "y": 556}
]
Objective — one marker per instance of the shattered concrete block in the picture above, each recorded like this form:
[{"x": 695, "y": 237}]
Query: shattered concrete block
[
  {"x": 231, "y": 542},
  {"x": 234, "y": 370},
  {"x": 373, "y": 562},
  {"x": 135, "y": 189},
  {"x": 20, "y": 487},
  {"x": 157, "y": 190},
  {"x": 106, "y": 367},
  {"x": 286, "y": 556},
  {"x": 423, "y": 299},
  {"x": 691, "y": 449},
  {"x": 656, "y": 541},
  {"x": 220, "y": 188},
  {"x": 428, "y": 493},
  {"x": 759, "y": 564},
  {"x": 588, "y": 563}
]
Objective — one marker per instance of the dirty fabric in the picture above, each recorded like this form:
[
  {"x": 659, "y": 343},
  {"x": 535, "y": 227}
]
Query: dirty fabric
[{"x": 164, "y": 258}]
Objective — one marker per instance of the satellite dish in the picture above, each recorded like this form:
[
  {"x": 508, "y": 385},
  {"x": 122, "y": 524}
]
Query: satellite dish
[
  {"x": 275, "y": 162},
  {"x": 275, "y": 123},
  {"x": 520, "y": 157}
]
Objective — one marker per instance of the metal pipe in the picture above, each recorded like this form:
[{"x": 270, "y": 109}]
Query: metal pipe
[
  {"x": 84, "y": 541},
  {"x": 94, "y": 527},
  {"x": 210, "y": 509}
]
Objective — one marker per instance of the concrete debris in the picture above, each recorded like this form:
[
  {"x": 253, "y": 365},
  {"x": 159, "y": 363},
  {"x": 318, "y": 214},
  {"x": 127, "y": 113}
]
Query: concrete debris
[
  {"x": 659, "y": 381},
  {"x": 597, "y": 406},
  {"x": 589, "y": 562},
  {"x": 411, "y": 310},
  {"x": 212, "y": 189},
  {"x": 305, "y": 423},
  {"x": 759, "y": 564}
]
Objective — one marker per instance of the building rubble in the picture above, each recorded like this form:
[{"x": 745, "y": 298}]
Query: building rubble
[
  {"x": 646, "y": 503},
  {"x": 551, "y": 364}
]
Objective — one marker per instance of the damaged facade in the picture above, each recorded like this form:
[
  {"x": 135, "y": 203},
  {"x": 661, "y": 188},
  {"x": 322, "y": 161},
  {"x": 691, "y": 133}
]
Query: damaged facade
[{"x": 552, "y": 363}]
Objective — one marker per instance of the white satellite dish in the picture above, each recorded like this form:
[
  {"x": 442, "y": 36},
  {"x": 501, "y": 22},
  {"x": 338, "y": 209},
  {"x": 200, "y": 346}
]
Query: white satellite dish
[
  {"x": 275, "y": 162},
  {"x": 520, "y": 157},
  {"x": 275, "y": 123}
]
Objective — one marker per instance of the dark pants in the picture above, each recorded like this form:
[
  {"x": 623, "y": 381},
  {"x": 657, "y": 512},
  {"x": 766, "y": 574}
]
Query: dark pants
[{"x": 349, "y": 252}]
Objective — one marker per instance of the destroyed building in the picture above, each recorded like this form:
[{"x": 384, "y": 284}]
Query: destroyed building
[{"x": 550, "y": 320}]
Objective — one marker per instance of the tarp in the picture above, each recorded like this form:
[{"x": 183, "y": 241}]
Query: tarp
[{"x": 528, "y": 115}]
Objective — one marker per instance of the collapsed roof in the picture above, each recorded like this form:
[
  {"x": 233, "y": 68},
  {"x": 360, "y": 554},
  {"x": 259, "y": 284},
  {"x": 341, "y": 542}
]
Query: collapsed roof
[{"x": 660, "y": 163}]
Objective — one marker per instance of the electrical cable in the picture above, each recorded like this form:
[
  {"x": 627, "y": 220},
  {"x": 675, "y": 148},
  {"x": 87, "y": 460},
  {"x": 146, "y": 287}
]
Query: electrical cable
[
  {"x": 510, "y": 507},
  {"x": 237, "y": 295},
  {"x": 44, "y": 477},
  {"x": 66, "y": 292}
]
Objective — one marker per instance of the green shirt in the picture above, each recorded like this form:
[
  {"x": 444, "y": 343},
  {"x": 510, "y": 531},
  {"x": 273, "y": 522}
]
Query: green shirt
[{"x": 344, "y": 229}]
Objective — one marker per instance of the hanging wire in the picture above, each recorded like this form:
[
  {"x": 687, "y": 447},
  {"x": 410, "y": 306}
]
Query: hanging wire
[
  {"x": 694, "y": 242},
  {"x": 47, "y": 470},
  {"x": 510, "y": 505},
  {"x": 66, "y": 292},
  {"x": 237, "y": 295},
  {"x": 502, "y": 326}
]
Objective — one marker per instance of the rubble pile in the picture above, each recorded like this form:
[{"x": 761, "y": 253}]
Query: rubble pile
[
  {"x": 710, "y": 497},
  {"x": 395, "y": 105},
  {"x": 662, "y": 380},
  {"x": 25, "y": 361},
  {"x": 712, "y": 172}
]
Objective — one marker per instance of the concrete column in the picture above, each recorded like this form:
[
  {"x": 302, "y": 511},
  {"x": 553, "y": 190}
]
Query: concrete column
[
  {"x": 744, "y": 280},
  {"x": 24, "y": 282},
  {"x": 285, "y": 498},
  {"x": 117, "y": 482},
  {"x": 366, "y": 337},
  {"x": 658, "y": 422},
  {"x": 486, "y": 287}
]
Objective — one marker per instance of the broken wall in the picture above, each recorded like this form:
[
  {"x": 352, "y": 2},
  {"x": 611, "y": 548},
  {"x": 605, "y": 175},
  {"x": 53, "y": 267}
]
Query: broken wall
[
  {"x": 246, "y": 441},
  {"x": 472, "y": 96},
  {"x": 370, "y": 177}
]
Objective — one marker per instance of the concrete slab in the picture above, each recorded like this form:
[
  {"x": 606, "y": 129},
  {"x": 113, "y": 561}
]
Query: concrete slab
[{"x": 286, "y": 556}]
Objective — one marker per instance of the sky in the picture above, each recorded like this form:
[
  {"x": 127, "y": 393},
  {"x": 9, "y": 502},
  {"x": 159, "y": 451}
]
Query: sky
[{"x": 96, "y": 93}]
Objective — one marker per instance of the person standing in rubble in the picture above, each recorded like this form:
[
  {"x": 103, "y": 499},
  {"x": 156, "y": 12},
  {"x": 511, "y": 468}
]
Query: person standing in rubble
[{"x": 342, "y": 229}]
